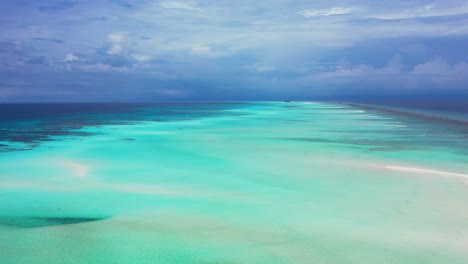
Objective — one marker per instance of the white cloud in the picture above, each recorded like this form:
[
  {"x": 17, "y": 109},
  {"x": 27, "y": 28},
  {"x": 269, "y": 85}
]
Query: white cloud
[
  {"x": 204, "y": 50},
  {"x": 180, "y": 5},
  {"x": 116, "y": 37},
  {"x": 96, "y": 67},
  {"x": 326, "y": 12},
  {"x": 117, "y": 41},
  {"x": 101, "y": 67},
  {"x": 440, "y": 67},
  {"x": 70, "y": 57},
  {"x": 141, "y": 57},
  {"x": 430, "y": 10},
  {"x": 393, "y": 67},
  {"x": 265, "y": 68},
  {"x": 429, "y": 7},
  {"x": 353, "y": 71},
  {"x": 260, "y": 68},
  {"x": 437, "y": 66}
]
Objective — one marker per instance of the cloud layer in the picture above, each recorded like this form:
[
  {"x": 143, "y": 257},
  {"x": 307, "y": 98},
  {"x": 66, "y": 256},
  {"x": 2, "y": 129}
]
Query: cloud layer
[
  {"x": 149, "y": 50},
  {"x": 326, "y": 12}
]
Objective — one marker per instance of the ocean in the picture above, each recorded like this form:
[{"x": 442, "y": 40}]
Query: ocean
[{"x": 233, "y": 182}]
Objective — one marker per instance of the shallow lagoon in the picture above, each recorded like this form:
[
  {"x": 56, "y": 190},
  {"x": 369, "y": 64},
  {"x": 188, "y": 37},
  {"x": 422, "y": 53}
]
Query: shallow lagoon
[{"x": 271, "y": 182}]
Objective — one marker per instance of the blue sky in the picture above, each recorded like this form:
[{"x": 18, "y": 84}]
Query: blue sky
[{"x": 150, "y": 50}]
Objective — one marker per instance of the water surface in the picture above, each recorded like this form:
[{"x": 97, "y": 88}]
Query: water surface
[{"x": 259, "y": 182}]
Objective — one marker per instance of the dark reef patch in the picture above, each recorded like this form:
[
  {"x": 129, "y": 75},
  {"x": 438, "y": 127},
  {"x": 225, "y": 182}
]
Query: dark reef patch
[
  {"x": 32, "y": 123},
  {"x": 34, "y": 222}
]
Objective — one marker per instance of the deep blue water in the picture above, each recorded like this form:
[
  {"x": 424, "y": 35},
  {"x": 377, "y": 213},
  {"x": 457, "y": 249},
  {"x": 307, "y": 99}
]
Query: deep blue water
[{"x": 31, "y": 123}]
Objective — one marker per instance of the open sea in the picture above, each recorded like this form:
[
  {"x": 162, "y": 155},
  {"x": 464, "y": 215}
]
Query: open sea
[{"x": 234, "y": 183}]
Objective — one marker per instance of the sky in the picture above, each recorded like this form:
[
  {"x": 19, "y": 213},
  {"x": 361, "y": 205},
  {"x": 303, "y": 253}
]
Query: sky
[{"x": 163, "y": 50}]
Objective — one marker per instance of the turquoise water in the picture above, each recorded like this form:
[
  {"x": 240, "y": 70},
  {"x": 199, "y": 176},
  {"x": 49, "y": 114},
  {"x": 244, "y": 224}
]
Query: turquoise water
[{"x": 260, "y": 182}]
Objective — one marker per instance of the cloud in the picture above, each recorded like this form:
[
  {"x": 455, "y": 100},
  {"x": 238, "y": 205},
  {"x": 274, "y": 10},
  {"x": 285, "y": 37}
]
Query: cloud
[
  {"x": 425, "y": 11},
  {"x": 180, "y": 5},
  {"x": 434, "y": 73},
  {"x": 265, "y": 68},
  {"x": 104, "y": 63},
  {"x": 101, "y": 67},
  {"x": 204, "y": 50},
  {"x": 392, "y": 68},
  {"x": 436, "y": 66},
  {"x": 260, "y": 68},
  {"x": 326, "y": 12},
  {"x": 117, "y": 41},
  {"x": 70, "y": 57},
  {"x": 141, "y": 57},
  {"x": 440, "y": 67},
  {"x": 355, "y": 71},
  {"x": 209, "y": 44}
]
